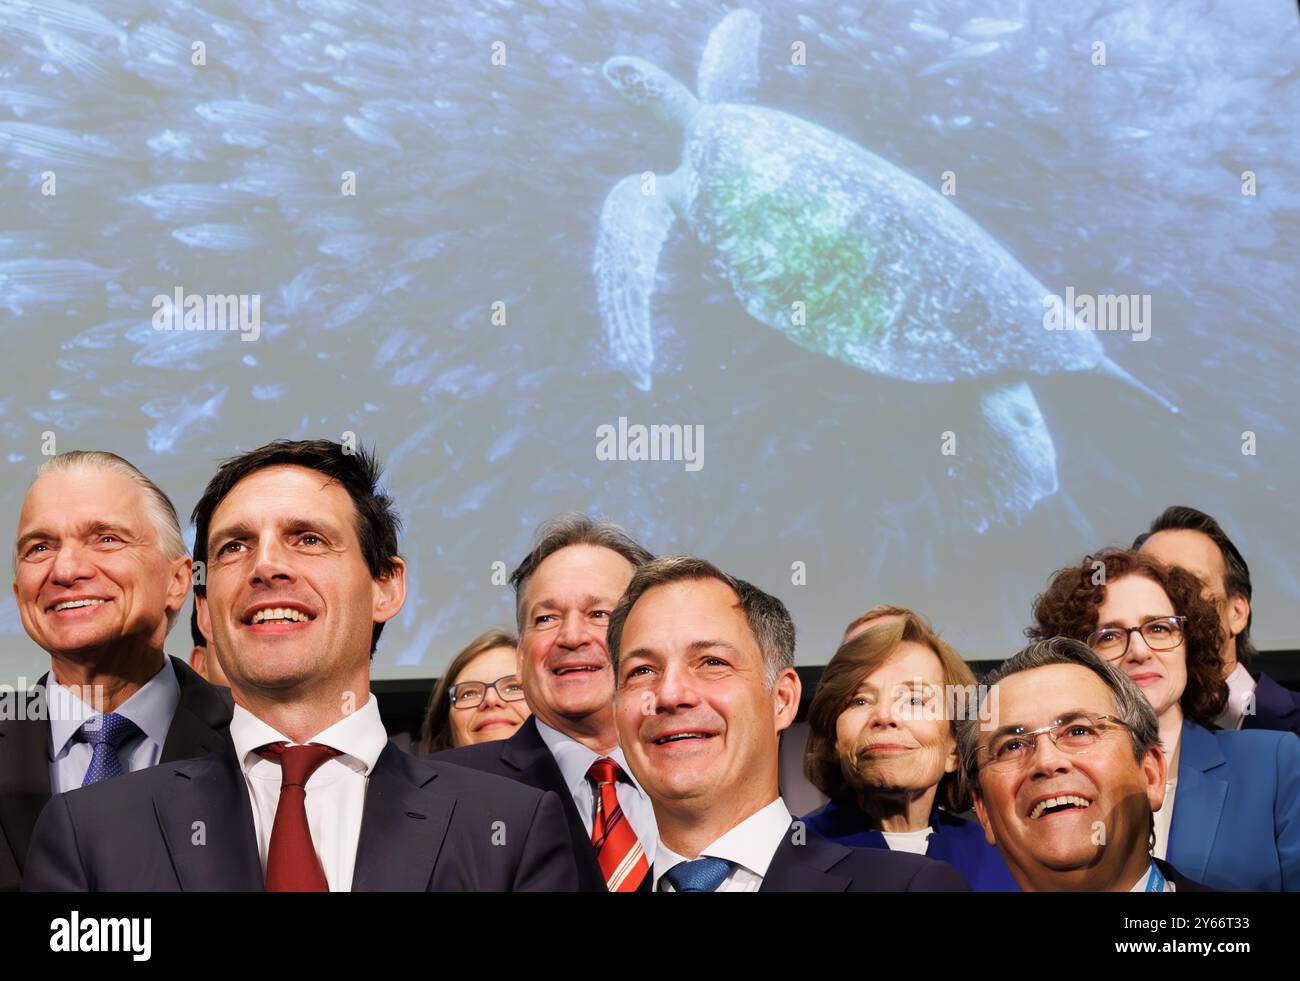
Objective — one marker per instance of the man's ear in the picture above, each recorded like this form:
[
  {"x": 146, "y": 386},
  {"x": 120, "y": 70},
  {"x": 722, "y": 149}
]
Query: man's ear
[
  {"x": 389, "y": 593},
  {"x": 180, "y": 575},
  {"x": 205, "y": 618},
  {"x": 1238, "y": 614},
  {"x": 785, "y": 696},
  {"x": 982, "y": 813},
  {"x": 1155, "y": 768}
]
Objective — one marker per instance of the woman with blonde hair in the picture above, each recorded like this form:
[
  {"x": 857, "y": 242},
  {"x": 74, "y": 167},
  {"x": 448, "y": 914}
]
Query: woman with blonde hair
[{"x": 882, "y": 746}]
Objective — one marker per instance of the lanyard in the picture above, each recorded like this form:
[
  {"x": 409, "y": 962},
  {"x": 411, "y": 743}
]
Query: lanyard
[{"x": 1155, "y": 879}]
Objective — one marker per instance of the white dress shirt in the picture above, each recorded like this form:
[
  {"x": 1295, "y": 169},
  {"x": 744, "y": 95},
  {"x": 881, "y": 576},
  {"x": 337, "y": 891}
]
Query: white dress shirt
[
  {"x": 1145, "y": 878},
  {"x": 336, "y": 792},
  {"x": 916, "y": 842},
  {"x": 749, "y": 846},
  {"x": 575, "y": 759},
  {"x": 1241, "y": 695},
  {"x": 1165, "y": 819},
  {"x": 151, "y": 708}
]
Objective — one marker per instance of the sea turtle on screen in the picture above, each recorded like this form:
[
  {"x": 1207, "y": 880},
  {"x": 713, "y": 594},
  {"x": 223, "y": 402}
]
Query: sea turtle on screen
[{"x": 848, "y": 256}]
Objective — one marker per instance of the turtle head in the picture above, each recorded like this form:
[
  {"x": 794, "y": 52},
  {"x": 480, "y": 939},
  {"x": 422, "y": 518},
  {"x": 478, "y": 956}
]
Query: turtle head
[{"x": 647, "y": 85}]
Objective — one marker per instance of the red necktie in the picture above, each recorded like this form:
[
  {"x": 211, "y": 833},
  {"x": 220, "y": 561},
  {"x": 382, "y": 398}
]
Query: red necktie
[
  {"x": 291, "y": 861},
  {"x": 621, "y": 858}
]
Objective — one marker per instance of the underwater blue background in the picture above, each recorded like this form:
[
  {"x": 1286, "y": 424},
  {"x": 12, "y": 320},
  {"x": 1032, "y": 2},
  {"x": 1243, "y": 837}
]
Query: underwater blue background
[{"x": 480, "y": 182}]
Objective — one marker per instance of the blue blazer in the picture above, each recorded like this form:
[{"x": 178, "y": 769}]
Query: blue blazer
[
  {"x": 956, "y": 841},
  {"x": 1236, "y": 822}
]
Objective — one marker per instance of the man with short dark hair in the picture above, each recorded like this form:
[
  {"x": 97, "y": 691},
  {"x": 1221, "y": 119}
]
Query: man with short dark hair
[
  {"x": 1193, "y": 540},
  {"x": 300, "y": 547},
  {"x": 1064, "y": 762},
  {"x": 100, "y": 573},
  {"x": 565, "y": 589},
  {"x": 705, "y": 686}
]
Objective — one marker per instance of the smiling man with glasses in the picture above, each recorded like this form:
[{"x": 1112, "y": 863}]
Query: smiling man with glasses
[{"x": 1068, "y": 776}]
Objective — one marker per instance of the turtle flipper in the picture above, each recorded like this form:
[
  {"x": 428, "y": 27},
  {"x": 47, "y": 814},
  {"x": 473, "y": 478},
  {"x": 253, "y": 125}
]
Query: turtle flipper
[
  {"x": 1005, "y": 460},
  {"x": 729, "y": 68},
  {"x": 1110, "y": 369},
  {"x": 633, "y": 229}
]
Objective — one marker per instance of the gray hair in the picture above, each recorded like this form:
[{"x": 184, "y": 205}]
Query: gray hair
[
  {"x": 572, "y": 528},
  {"x": 161, "y": 511},
  {"x": 767, "y": 616},
  {"x": 1131, "y": 706}
]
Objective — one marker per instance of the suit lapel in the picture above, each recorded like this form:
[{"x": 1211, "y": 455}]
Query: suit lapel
[
  {"x": 805, "y": 867},
  {"x": 403, "y": 826},
  {"x": 1274, "y": 706},
  {"x": 191, "y": 733},
  {"x": 526, "y": 752},
  {"x": 206, "y": 820},
  {"x": 1198, "y": 802},
  {"x": 24, "y": 773}
]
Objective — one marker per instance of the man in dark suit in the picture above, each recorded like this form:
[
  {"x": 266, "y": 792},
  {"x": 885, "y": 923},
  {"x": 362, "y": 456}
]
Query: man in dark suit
[
  {"x": 565, "y": 590},
  {"x": 300, "y": 548},
  {"x": 100, "y": 574},
  {"x": 704, "y": 665},
  {"x": 1064, "y": 761},
  {"x": 1195, "y": 541}
]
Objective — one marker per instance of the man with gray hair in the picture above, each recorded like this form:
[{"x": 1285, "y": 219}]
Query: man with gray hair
[
  {"x": 704, "y": 666},
  {"x": 1068, "y": 774},
  {"x": 100, "y": 574},
  {"x": 565, "y": 590}
]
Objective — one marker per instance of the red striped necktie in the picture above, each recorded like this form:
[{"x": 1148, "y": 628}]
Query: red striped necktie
[
  {"x": 292, "y": 864},
  {"x": 622, "y": 860}
]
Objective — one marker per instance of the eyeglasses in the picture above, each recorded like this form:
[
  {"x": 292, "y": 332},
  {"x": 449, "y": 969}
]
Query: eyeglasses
[
  {"x": 470, "y": 693},
  {"x": 1076, "y": 736},
  {"x": 1161, "y": 634}
]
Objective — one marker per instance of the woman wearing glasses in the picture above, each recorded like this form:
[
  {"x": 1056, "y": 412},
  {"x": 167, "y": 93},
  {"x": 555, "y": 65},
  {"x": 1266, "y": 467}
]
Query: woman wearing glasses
[
  {"x": 478, "y": 698},
  {"x": 1231, "y": 816}
]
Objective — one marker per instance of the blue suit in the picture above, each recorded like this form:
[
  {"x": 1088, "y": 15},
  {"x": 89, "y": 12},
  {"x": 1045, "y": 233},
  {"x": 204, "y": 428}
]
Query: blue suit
[
  {"x": 956, "y": 841},
  {"x": 1236, "y": 822}
]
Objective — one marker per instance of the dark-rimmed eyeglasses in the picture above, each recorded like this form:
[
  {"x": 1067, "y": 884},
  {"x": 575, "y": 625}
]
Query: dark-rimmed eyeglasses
[
  {"x": 1075, "y": 735},
  {"x": 1160, "y": 634},
  {"x": 470, "y": 693}
]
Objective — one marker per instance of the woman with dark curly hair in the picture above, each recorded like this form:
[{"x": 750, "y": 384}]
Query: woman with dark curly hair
[{"x": 1231, "y": 815}]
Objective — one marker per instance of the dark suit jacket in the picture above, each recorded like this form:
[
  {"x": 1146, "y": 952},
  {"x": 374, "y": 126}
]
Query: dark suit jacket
[
  {"x": 200, "y": 725},
  {"x": 1180, "y": 881},
  {"x": 818, "y": 865},
  {"x": 1275, "y": 707},
  {"x": 188, "y": 827},
  {"x": 526, "y": 758}
]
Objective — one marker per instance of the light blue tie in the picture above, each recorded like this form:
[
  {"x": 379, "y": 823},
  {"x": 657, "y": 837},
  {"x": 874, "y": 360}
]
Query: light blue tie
[
  {"x": 105, "y": 740},
  {"x": 702, "y": 875}
]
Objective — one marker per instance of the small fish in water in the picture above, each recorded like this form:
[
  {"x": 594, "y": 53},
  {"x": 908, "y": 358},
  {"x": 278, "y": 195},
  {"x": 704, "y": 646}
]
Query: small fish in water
[
  {"x": 219, "y": 238},
  {"x": 177, "y": 416}
]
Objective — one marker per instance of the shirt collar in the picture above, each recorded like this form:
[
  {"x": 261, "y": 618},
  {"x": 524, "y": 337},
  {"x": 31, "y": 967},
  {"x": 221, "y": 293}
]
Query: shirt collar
[
  {"x": 574, "y": 759},
  {"x": 1241, "y": 688},
  {"x": 359, "y": 737},
  {"x": 1144, "y": 880},
  {"x": 151, "y": 708},
  {"x": 750, "y": 844}
]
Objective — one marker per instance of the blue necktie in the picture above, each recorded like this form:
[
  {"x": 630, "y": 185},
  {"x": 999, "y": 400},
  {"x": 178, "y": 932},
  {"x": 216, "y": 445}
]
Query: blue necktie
[
  {"x": 105, "y": 741},
  {"x": 702, "y": 875}
]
